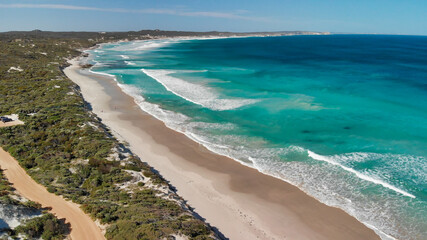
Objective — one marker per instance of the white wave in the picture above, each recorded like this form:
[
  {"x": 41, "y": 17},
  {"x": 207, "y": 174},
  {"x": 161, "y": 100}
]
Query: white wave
[
  {"x": 102, "y": 73},
  {"x": 150, "y": 45},
  {"x": 124, "y": 56},
  {"x": 198, "y": 94},
  {"x": 99, "y": 64},
  {"x": 358, "y": 174},
  {"x": 130, "y": 63},
  {"x": 141, "y": 45},
  {"x": 212, "y": 126},
  {"x": 303, "y": 176},
  {"x": 406, "y": 166},
  {"x": 171, "y": 119},
  {"x": 337, "y": 190},
  {"x": 382, "y": 234},
  {"x": 139, "y": 63},
  {"x": 183, "y": 124},
  {"x": 190, "y": 71}
]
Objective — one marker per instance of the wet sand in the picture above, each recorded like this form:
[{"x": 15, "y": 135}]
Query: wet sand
[
  {"x": 82, "y": 226},
  {"x": 238, "y": 200}
]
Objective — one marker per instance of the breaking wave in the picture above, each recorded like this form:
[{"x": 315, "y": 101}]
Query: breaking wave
[
  {"x": 358, "y": 174},
  {"x": 195, "y": 93}
]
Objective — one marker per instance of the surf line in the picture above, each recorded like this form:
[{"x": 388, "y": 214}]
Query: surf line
[{"x": 358, "y": 174}]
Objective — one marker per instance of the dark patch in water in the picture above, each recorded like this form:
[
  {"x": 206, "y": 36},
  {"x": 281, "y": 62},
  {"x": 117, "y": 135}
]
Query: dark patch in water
[
  {"x": 347, "y": 128},
  {"x": 306, "y": 131}
]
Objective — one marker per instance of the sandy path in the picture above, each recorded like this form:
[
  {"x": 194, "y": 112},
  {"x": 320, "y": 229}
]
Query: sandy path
[{"x": 82, "y": 226}]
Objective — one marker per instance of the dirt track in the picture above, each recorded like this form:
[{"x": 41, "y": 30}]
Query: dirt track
[{"x": 82, "y": 226}]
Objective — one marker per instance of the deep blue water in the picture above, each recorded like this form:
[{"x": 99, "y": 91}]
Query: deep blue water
[{"x": 343, "y": 117}]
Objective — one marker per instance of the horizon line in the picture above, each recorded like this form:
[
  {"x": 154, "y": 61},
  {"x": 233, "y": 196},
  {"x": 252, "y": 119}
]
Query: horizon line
[{"x": 207, "y": 31}]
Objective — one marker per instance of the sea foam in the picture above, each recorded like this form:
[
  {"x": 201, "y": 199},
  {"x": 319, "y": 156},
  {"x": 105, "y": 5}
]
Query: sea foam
[
  {"x": 171, "y": 119},
  {"x": 140, "y": 45},
  {"x": 103, "y": 73},
  {"x": 358, "y": 174},
  {"x": 130, "y": 63},
  {"x": 195, "y": 93}
]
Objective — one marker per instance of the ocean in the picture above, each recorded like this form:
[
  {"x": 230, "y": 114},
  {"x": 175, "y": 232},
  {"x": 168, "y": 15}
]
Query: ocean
[{"x": 342, "y": 117}]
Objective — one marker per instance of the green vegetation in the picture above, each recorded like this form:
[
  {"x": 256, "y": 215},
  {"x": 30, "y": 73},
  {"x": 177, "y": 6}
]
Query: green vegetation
[
  {"x": 66, "y": 148},
  {"x": 46, "y": 227},
  {"x": 5, "y": 189}
]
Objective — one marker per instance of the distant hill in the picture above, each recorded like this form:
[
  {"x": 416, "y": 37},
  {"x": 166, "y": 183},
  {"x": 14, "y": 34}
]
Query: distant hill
[{"x": 143, "y": 34}]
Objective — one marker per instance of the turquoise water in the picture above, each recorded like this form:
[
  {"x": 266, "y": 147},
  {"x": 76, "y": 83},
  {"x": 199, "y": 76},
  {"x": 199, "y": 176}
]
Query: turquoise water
[{"x": 343, "y": 117}]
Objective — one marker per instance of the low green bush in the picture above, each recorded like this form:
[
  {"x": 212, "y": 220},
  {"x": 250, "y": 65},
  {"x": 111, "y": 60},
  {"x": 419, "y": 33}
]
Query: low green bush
[{"x": 46, "y": 227}]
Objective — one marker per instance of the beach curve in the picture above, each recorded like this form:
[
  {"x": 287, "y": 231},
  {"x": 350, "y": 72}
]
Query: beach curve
[{"x": 230, "y": 196}]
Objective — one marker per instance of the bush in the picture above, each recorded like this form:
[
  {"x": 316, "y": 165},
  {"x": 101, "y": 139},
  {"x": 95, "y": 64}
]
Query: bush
[{"x": 47, "y": 227}]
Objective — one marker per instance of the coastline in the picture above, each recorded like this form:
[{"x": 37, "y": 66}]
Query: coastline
[{"x": 231, "y": 196}]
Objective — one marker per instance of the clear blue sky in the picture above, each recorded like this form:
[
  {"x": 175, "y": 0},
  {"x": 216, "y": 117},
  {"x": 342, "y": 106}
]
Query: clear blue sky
[{"x": 351, "y": 16}]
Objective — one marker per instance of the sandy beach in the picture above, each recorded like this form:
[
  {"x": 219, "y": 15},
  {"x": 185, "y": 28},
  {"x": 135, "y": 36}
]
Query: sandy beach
[
  {"x": 82, "y": 226},
  {"x": 239, "y": 201}
]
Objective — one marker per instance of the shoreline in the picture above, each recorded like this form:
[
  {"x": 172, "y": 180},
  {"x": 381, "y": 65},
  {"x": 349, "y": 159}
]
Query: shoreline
[{"x": 229, "y": 195}]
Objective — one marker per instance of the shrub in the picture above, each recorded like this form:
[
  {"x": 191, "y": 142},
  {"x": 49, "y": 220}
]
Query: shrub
[{"x": 47, "y": 227}]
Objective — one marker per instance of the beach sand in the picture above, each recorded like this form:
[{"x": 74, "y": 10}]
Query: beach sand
[
  {"x": 239, "y": 201},
  {"x": 82, "y": 226}
]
